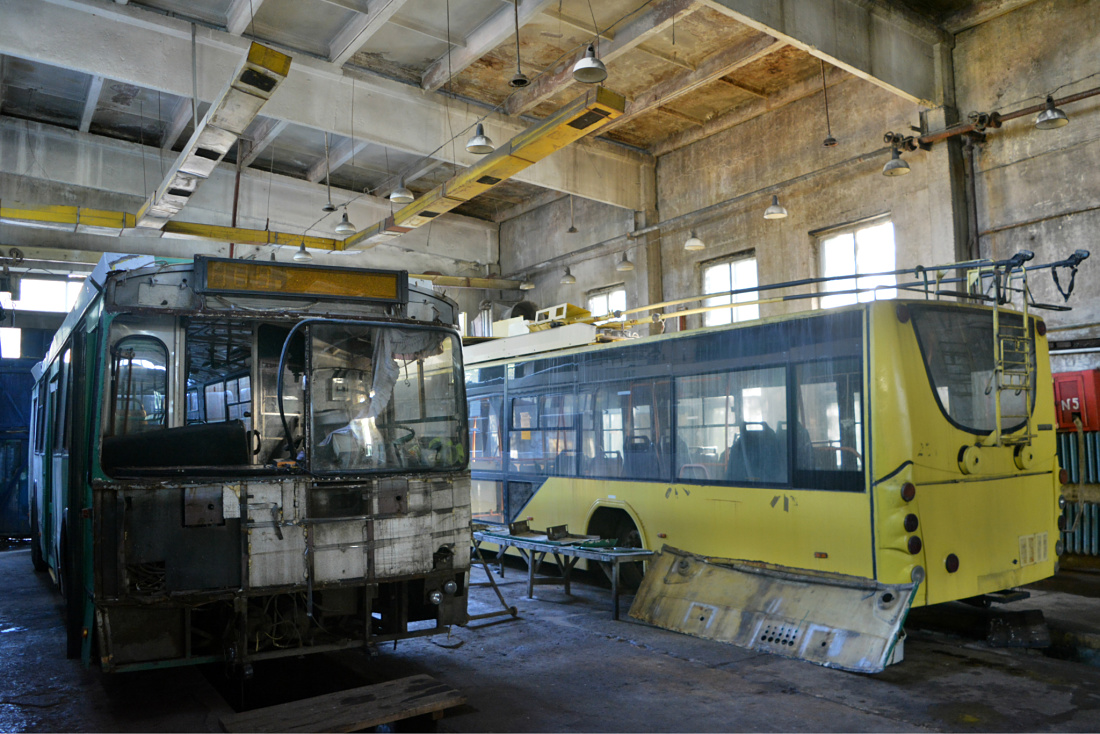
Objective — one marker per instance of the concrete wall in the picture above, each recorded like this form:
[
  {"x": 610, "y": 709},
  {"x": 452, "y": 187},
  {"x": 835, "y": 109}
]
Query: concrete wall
[
  {"x": 540, "y": 242},
  {"x": 1038, "y": 189},
  {"x": 820, "y": 187},
  {"x": 1035, "y": 189}
]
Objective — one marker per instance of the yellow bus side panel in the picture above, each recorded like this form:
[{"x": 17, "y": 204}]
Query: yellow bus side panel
[{"x": 828, "y": 531}]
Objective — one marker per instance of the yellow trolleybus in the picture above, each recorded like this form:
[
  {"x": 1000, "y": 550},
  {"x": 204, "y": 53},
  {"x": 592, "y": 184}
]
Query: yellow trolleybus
[
  {"x": 233, "y": 460},
  {"x": 897, "y": 440}
]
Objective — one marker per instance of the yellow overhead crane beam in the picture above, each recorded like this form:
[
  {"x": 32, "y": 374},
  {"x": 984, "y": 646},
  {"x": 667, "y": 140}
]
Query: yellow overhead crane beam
[
  {"x": 581, "y": 117},
  {"x": 230, "y": 114}
]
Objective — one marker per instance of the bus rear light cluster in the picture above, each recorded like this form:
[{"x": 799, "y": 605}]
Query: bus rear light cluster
[
  {"x": 911, "y": 523},
  {"x": 908, "y": 491},
  {"x": 1063, "y": 476},
  {"x": 951, "y": 563},
  {"x": 1062, "y": 523},
  {"x": 1040, "y": 327},
  {"x": 914, "y": 544}
]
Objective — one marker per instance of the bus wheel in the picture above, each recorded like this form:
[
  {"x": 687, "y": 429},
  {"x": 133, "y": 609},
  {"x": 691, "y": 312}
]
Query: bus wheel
[
  {"x": 627, "y": 536},
  {"x": 71, "y": 587},
  {"x": 37, "y": 559}
]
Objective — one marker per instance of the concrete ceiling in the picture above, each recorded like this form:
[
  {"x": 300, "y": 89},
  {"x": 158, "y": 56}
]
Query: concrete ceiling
[{"x": 395, "y": 85}]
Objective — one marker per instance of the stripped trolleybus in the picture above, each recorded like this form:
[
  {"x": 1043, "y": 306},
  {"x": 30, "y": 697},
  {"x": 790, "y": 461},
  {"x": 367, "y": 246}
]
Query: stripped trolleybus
[
  {"x": 234, "y": 460},
  {"x": 897, "y": 440}
]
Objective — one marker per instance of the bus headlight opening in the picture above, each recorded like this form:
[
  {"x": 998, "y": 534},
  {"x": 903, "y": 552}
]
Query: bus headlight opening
[
  {"x": 436, "y": 597},
  {"x": 911, "y": 523},
  {"x": 450, "y": 587},
  {"x": 951, "y": 563}
]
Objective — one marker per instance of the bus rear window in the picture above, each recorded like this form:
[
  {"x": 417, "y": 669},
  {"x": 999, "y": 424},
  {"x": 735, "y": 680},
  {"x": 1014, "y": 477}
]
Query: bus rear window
[{"x": 959, "y": 356}]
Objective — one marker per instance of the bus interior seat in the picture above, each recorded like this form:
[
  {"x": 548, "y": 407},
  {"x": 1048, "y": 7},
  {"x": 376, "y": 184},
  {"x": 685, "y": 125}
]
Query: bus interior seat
[
  {"x": 756, "y": 455},
  {"x": 610, "y": 464},
  {"x": 565, "y": 464},
  {"x": 803, "y": 449},
  {"x": 693, "y": 471},
  {"x": 204, "y": 444},
  {"x": 640, "y": 458}
]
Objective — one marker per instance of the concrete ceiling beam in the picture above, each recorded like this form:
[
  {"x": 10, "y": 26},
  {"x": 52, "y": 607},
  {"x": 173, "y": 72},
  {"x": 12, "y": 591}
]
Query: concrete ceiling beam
[
  {"x": 980, "y": 11},
  {"x": 875, "y": 41},
  {"x": 654, "y": 20},
  {"x": 249, "y": 149},
  {"x": 91, "y": 101},
  {"x": 79, "y": 169},
  {"x": 180, "y": 116},
  {"x": 338, "y": 155},
  {"x": 240, "y": 14},
  {"x": 398, "y": 116},
  {"x": 487, "y": 36},
  {"x": 356, "y": 34},
  {"x": 753, "y": 109},
  {"x": 712, "y": 68}
]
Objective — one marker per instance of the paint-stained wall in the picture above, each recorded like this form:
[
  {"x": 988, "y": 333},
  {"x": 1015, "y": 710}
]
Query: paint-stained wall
[
  {"x": 1038, "y": 189},
  {"x": 1035, "y": 189}
]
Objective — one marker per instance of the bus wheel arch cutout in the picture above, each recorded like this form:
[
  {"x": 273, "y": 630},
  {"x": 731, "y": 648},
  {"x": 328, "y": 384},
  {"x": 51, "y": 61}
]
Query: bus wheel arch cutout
[{"x": 619, "y": 524}]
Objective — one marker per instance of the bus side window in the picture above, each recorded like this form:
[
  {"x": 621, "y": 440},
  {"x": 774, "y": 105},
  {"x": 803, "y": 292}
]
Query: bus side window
[
  {"x": 40, "y": 419},
  {"x": 830, "y": 419},
  {"x": 139, "y": 386},
  {"x": 484, "y": 416}
]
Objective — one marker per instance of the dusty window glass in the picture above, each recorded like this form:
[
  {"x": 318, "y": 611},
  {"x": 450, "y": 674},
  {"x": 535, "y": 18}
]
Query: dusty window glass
[
  {"x": 385, "y": 399},
  {"x": 139, "y": 386},
  {"x": 828, "y": 431},
  {"x": 730, "y": 275},
  {"x": 605, "y": 301},
  {"x": 485, "y": 433},
  {"x": 858, "y": 252}
]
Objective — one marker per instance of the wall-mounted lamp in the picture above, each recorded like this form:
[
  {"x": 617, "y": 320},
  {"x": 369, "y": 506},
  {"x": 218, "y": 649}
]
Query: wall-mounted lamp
[
  {"x": 775, "y": 211},
  {"x": 1051, "y": 117},
  {"x": 895, "y": 166},
  {"x": 480, "y": 142},
  {"x": 624, "y": 265},
  {"x": 694, "y": 244},
  {"x": 568, "y": 278},
  {"x": 589, "y": 70}
]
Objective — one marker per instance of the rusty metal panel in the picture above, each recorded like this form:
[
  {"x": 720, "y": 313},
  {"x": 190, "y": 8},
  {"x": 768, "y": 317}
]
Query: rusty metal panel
[
  {"x": 276, "y": 536},
  {"x": 834, "y": 620}
]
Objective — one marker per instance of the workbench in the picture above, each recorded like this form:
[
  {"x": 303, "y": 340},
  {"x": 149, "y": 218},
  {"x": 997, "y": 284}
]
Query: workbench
[{"x": 534, "y": 547}]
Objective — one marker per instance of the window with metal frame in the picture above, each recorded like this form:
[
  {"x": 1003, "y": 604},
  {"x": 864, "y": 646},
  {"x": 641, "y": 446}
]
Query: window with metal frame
[
  {"x": 733, "y": 273},
  {"x": 605, "y": 301},
  {"x": 853, "y": 256}
]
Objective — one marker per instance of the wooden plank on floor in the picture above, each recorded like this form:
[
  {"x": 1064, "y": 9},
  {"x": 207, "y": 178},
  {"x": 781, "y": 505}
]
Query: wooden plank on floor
[{"x": 351, "y": 710}]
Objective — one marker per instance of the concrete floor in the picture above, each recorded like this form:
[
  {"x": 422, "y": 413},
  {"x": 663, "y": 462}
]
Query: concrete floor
[{"x": 565, "y": 666}]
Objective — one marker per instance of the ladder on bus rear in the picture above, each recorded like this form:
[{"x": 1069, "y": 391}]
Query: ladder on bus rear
[{"x": 1014, "y": 363}]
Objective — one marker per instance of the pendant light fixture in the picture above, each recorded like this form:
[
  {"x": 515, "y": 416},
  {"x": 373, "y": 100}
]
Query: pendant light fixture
[
  {"x": 694, "y": 244},
  {"x": 526, "y": 284},
  {"x": 344, "y": 226},
  {"x": 589, "y": 69},
  {"x": 328, "y": 208},
  {"x": 624, "y": 265},
  {"x": 829, "y": 141},
  {"x": 895, "y": 166},
  {"x": 520, "y": 80},
  {"x": 572, "y": 227},
  {"x": 302, "y": 255},
  {"x": 568, "y": 278},
  {"x": 480, "y": 142},
  {"x": 401, "y": 195},
  {"x": 1051, "y": 117},
  {"x": 775, "y": 211}
]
